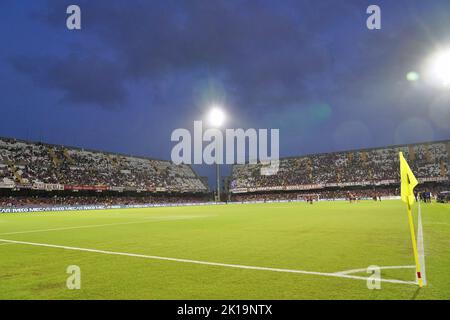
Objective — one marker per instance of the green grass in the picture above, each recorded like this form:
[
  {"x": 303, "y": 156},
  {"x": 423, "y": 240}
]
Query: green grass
[{"x": 324, "y": 237}]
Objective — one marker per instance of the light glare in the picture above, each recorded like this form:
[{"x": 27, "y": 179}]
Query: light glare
[
  {"x": 412, "y": 76},
  {"x": 440, "y": 67},
  {"x": 216, "y": 117}
]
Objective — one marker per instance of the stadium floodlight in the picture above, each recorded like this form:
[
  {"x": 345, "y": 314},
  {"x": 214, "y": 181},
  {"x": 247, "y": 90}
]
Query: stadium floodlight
[
  {"x": 440, "y": 67},
  {"x": 216, "y": 117}
]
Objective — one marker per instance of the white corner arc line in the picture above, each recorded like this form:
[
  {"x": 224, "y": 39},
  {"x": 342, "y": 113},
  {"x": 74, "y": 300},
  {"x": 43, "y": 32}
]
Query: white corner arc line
[
  {"x": 217, "y": 264},
  {"x": 382, "y": 268}
]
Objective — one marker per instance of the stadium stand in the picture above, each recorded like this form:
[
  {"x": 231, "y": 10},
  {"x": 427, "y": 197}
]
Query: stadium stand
[
  {"x": 38, "y": 166},
  {"x": 33, "y": 174},
  {"x": 364, "y": 173}
]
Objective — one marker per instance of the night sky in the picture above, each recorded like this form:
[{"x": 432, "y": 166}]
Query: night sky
[{"x": 140, "y": 69}]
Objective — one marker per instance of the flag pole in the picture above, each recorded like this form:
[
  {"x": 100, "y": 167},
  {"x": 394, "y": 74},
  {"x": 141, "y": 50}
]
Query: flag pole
[
  {"x": 413, "y": 238},
  {"x": 407, "y": 184}
]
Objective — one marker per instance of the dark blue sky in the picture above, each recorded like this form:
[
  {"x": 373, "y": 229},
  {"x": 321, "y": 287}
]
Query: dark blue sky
[{"x": 139, "y": 69}]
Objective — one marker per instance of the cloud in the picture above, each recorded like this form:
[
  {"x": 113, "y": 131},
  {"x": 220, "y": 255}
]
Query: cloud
[
  {"x": 81, "y": 80},
  {"x": 260, "y": 54}
]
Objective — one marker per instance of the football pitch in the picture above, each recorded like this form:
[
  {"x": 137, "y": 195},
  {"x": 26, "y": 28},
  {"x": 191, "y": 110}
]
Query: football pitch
[{"x": 234, "y": 251}]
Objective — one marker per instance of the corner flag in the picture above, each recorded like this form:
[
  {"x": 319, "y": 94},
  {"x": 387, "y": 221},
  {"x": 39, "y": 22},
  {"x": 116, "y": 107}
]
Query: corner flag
[
  {"x": 407, "y": 184},
  {"x": 408, "y": 181}
]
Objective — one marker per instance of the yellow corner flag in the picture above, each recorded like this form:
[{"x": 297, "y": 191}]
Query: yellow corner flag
[
  {"x": 407, "y": 184},
  {"x": 408, "y": 181}
]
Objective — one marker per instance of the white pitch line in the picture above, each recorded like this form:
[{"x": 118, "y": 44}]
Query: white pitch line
[
  {"x": 382, "y": 268},
  {"x": 420, "y": 248},
  {"x": 216, "y": 264},
  {"x": 104, "y": 225}
]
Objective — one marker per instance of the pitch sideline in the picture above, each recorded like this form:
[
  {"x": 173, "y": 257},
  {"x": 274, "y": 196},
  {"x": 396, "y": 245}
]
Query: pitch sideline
[
  {"x": 217, "y": 264},
  {"x": 420, "y": 247}
]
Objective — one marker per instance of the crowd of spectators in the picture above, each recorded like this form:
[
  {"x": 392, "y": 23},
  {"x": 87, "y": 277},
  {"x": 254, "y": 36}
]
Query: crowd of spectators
[
  {"x": 30, "y": 163},
  {"x": 325, "y": 176},
  {"x": 335, "y": 194},
  {"x": 106, "y": 200},
  {"x": 429, "y": 160},
  {"x": 316, "y": 195}
]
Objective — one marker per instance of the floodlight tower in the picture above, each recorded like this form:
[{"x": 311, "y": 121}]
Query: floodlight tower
[{"x": 216, "y": 119}]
